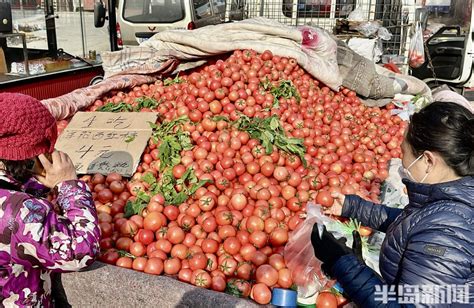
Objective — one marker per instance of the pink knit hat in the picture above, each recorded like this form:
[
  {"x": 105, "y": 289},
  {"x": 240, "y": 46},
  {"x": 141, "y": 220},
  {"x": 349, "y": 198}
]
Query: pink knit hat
[{"x": 27, "y": 128}]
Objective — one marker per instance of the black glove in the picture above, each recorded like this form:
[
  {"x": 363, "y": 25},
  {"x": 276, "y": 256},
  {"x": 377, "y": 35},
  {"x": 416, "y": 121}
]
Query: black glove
[
  {"x": 357, "y": 246},
  {"x": 328, "y": 249}
]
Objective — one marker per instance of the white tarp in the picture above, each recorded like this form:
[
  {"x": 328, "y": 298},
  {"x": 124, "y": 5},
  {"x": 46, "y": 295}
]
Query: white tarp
[{"x": 313, "y": 48}]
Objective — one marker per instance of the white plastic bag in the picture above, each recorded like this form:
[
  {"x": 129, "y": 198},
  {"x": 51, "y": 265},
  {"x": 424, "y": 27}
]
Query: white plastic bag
[
  {"x": 368, "y": 48},
  {"x": 408, "y": 105},
  {"x": 416, "y": 53},
  {"x": 356, "y": 15},
  {"x": 369, "y": 28}
]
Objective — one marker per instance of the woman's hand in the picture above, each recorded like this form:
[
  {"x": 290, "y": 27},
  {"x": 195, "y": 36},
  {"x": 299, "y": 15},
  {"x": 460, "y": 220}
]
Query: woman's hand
[
  {"x": 328, "y": 249},
  {"x": 60, "y": 169},
  {"x": 336, "y": 208}
]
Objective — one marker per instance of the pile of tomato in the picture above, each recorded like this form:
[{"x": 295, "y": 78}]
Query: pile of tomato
[{"x": 229, "y": 236}]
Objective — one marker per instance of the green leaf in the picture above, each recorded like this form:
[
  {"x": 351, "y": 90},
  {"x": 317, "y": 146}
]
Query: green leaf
[
  {"x": 232, "y": 289},
  {"x": 143, "y": 197},
  {"x": 274, "y": 123},
  {"x": 172, "y": 140},
  {"x": 148, "y": 178},
  {"x": 198, "y": 185},
  {"x": 123, "y": 253},
  {"x": 220, "y": 118},
  {"x": 267, "y": 84},
  {"x": 285, "y": 89},
  {"x": 179, "y": 198},
  {"x": 137, "y": 206},
  {"x": 128, "y": 209},
  {"x": 115, "y": 107},
  {"x": 146, "y": 102},
  {"x": 270, "y": 133},
  {"x": 175, "y": 80},
  {"x": 129, "y": 138},
  {"x": 187, "y": 174}
]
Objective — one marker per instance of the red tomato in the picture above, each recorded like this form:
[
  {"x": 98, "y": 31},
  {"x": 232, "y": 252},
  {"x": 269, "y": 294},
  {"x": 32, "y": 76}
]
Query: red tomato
[
  {"x": 365, "y": 231},
  {"x": 198, "y": 261},
  {"x": 267, "y": 275},
  {"x": 218, "y": 283},
  {"x": 146, "y": 237},
  {"x": 326, "y": 300},
  {"x": 324, "y": 198},
  {"x": 124, "y": 262},
  {"x": 175, "y": 235},
  {"x": 154, "y": 266},
  {"x": 261, "y": 294},
  {"x": 232, "y": 245}
]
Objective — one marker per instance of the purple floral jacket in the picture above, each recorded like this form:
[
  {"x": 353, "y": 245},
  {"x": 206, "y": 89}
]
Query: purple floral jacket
[{"x": 36, "y": 241}]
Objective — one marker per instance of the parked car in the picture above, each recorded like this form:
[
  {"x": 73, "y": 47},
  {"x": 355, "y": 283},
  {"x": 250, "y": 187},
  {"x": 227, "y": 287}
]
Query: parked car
[{"x": 138, "y": 20}]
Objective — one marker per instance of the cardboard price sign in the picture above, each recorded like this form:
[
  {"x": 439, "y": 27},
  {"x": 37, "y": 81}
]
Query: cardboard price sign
[{"x": 105, "y": 142}]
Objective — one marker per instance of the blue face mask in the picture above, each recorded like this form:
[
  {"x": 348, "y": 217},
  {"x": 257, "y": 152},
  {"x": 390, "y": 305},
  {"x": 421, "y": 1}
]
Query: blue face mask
[{"x": 406, "y": 174}]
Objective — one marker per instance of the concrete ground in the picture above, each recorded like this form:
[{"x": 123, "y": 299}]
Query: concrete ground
[{"x": 111, "y": 286}]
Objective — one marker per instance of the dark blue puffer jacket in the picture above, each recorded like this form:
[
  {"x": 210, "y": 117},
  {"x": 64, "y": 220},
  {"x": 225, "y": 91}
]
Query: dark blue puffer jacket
[{"x": 429, "y": 242}]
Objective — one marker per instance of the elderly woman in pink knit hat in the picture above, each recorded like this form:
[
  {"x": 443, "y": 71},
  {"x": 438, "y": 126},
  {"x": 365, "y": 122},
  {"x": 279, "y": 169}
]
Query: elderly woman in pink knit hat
[{"x": 36, "y": 240}]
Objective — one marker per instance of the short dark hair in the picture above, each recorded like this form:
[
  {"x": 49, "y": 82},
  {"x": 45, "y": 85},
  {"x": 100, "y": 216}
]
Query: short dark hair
[
  {"x": 20, "y": 170},
  {"x": 448, "y": 129}
]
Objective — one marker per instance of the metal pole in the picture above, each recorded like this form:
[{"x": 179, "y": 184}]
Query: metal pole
[
  {"x": 112, "y": 25},
  {"x": 50, "y": 28},
  {"x": 25, "y": 54},
  {"x": 81, "y": 16}
]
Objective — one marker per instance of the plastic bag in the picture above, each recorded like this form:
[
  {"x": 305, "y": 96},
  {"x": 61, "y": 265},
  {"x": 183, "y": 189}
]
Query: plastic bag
[
  {"x": 393, "y": 192},
  {"x": 356, "y": 15},
  {"x": 369, "y": 28},
  {"x": 384, "y": 34},
  {"x": 368, "y": 48},
  {"x": 408, "y": 105},
  {"x": 299, "y": 252},
  {"x": 300, "y": 259},
  {"x": 416, "y": 53}
]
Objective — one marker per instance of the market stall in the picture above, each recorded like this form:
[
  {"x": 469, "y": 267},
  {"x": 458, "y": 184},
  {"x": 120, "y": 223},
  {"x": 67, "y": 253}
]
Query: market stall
[{"x": 249, "y": 131}]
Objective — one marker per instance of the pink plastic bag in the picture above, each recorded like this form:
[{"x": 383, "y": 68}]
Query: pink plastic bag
[{"x": 416, "y": 53}]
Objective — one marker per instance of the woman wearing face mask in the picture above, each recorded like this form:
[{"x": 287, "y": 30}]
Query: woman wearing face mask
[{"x": 429, "y": 245}]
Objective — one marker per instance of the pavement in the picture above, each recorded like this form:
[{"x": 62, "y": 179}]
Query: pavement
[{"x": 68, "y": 31}]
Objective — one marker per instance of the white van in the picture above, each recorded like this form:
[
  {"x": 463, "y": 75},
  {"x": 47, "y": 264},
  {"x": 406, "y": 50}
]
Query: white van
[{"x": 140, "y": 19}]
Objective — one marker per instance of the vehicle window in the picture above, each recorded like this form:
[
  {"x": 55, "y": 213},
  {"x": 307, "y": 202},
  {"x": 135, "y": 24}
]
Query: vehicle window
[
  {"x": 153, "y": 11},
  {"x": 318, "y": 8},
  {"x": 448, "y": 13},
  {"x": 237, "y": 10},
  {"x": 202, "y": 8},
  {"x": 218, "y": 6}
]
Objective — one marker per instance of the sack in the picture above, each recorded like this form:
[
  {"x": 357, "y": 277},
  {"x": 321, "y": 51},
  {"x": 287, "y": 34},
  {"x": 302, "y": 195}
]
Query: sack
[{"x": 416, "y": 53}]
